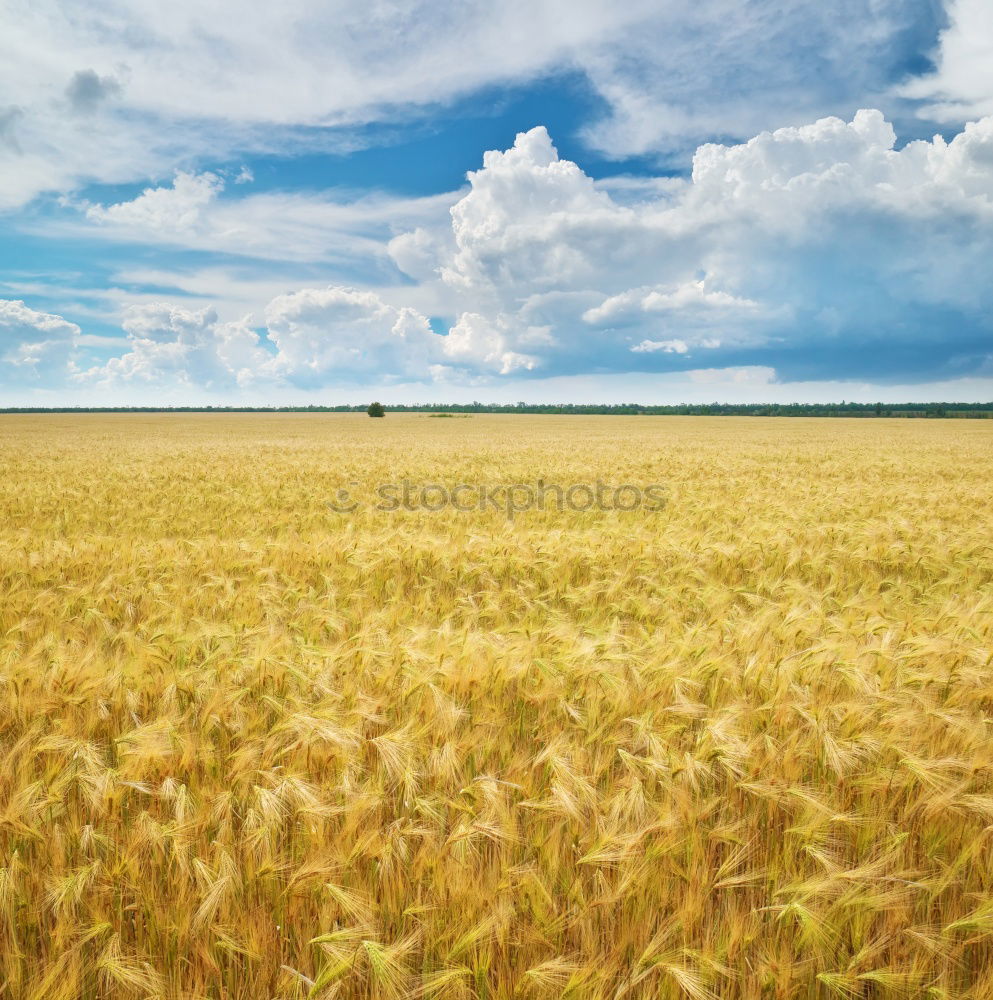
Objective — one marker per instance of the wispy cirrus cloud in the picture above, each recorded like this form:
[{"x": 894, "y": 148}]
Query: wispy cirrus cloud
[{"x": 190, "y": 214}]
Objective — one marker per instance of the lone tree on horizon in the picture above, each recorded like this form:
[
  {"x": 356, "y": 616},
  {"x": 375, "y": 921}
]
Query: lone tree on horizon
[{"x": 376, "y": 410}]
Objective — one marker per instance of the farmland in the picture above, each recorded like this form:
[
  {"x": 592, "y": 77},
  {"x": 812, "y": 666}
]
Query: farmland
[{"x": 255, "y": 747}]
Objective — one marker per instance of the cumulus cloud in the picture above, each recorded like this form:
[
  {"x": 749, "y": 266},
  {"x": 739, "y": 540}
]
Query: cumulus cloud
[
  {"x": 819, "y": 252},
  {"x": 798, "y": 248},
  {"x": 177, "y": 208},
  {"x": 536, "y": 245},
  {"x": 313, "y": 337},
  {"x": 475, "y": 341},
  {"x": 419, "y": 253},
  {"x": 34, "y": 346},
  {"x": 174, "y": 347},
  {"x": 339, "y": 333}
]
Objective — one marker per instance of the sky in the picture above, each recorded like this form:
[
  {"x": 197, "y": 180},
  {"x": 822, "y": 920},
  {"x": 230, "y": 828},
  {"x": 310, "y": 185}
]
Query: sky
[{"x": 544, "y": 200}]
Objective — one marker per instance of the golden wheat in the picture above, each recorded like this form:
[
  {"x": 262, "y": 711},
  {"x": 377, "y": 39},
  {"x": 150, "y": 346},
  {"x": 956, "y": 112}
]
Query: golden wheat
[{"x": 254, "y": 748}]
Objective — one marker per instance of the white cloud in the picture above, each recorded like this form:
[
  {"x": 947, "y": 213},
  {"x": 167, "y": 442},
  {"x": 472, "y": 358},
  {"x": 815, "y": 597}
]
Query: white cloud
[
  {"x": 701, "y": 68},
  {"x": 536, "y": 246},
  {"x": 667, "y": 346},
  {"x": 517, "y": 226},
  {"x": 962, "y": 85},
  {"x": 352, "y": 230},
  {"x": 833, "y": 164},
  {"x": 34, "y": 346},
  {"x": 800, "y": 238},
  {"x": 340, "y": 333},
  {"x": 213, "y": 82},
  {"x": 818, "y": 252},
  {"x": 122, "y": 92},
  {"x": 163, "y": 209},
  {"x": 174, "y": 347},
  {"x": 419, "y": 252},
  {"x": 691, "y": 298},
  {"x": 474, "y": 341},
  {"x": 232, "y": 62},
  {"x": 318, "y": 336}
]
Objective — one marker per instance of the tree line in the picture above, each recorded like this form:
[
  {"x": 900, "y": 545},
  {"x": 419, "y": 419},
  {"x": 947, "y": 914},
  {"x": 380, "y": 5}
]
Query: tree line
[{"x": 842, "y": 409}]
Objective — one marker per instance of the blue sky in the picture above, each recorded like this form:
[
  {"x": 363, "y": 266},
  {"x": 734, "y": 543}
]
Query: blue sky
[{"x": 548, "y": 200}]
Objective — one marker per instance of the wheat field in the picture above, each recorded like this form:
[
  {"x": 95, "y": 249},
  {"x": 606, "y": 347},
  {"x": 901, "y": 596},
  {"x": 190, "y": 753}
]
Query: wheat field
[{"x": 254, "y": 748}]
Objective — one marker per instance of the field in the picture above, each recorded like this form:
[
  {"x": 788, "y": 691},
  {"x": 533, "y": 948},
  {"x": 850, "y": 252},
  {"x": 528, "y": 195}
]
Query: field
[{"x": 738, "y": 747}]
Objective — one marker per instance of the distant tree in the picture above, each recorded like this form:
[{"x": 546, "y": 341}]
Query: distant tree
[
  {"x": 879, "y": 409},
  {"x": 376, "y": 410}
]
